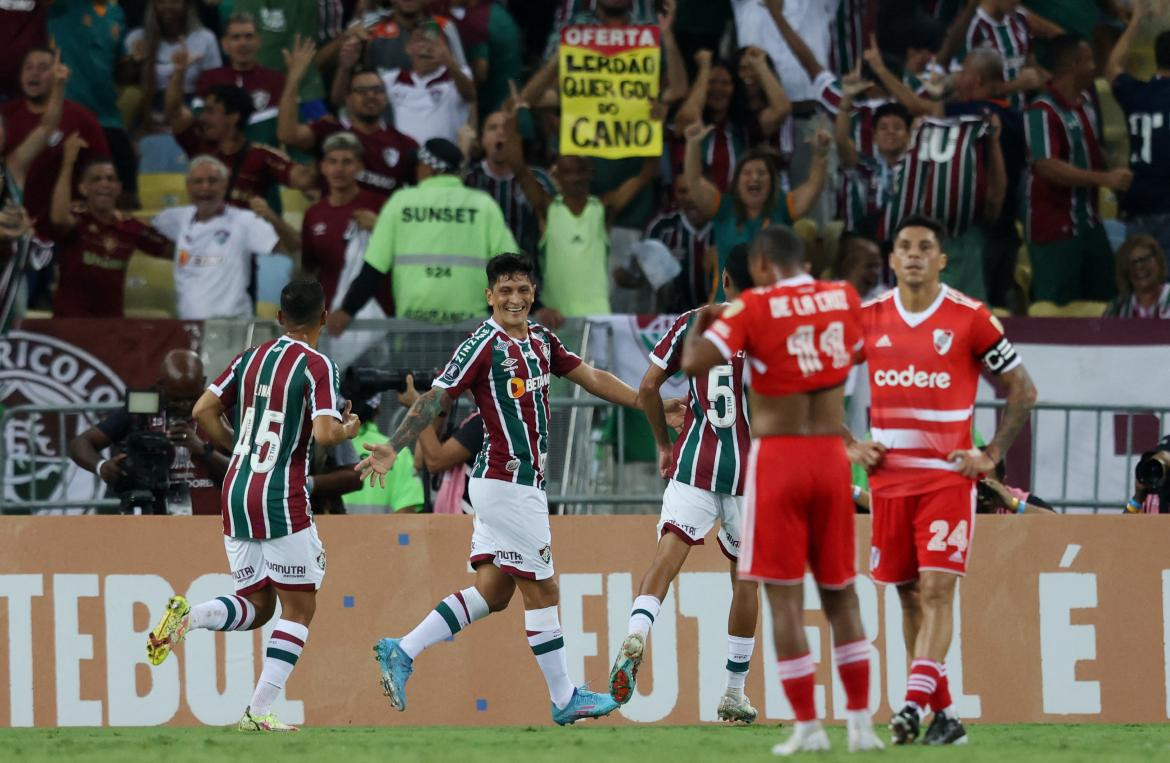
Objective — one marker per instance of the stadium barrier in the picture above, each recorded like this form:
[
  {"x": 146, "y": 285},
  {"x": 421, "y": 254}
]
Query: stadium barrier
[{"x": 1059, "y": 620}]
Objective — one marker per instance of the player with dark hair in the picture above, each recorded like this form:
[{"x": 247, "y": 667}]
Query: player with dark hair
[
  {"x": 507, "y": 364},
  {"x": 706, "y": 468},
  {"x": 801, "y": 337},
  {"x": 925, "y": 345},
  {"x": 284, "y": 396}
]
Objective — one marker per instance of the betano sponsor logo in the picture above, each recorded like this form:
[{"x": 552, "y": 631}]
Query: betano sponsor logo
[
  {"x": 912, "y": 378},
  {"x": 517, "y": 387}
]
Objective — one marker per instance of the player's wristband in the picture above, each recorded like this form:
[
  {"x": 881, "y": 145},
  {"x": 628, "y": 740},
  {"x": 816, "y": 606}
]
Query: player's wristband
[
  {"x": 98, "y": 469},
  {"x": 1133, "y": 507}
]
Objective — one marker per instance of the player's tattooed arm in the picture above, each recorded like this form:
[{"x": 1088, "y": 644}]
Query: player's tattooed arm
[
  {"x": 420, "y": 416},
  {"x": 1021, "y": 397}
]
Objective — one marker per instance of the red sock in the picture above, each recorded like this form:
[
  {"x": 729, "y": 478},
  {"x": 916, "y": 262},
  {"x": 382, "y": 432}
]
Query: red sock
[
  {"x": 941, "y": 699},
  {"x": 853, "y": 666},
  {"x": 798, "y": 677},
  {"x": 921, "y": 684}
]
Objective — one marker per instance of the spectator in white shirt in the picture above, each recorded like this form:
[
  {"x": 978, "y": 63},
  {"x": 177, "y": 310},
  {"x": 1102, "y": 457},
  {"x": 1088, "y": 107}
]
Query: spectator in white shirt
[
  {"x": 810, "y": 18},
  {"x": 171, "y": 25},
  {"x": 214, "y": 246},
  {"x": 431, "y": 99}
]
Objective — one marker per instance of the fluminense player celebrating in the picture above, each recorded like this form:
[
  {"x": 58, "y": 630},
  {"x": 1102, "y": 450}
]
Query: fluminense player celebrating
[
  {"x": 926, "y": 344},
  {"x": 801, "y": 337},
  {"x": 706, "y": 467},
  {"x": 507, "y": 363},
  {"x": 285, "y": 397}
]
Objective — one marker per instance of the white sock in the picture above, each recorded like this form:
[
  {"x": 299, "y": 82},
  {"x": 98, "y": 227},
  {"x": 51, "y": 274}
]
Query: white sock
[
  {"x": 284, "y": 649},
  {"x": 451, "y": 615},
  {"x": 739, "y": 657},
  {"x": 224, "y": 613},
  {"x": 642, "y": 614},
  {"x": 548, "y": 644}
]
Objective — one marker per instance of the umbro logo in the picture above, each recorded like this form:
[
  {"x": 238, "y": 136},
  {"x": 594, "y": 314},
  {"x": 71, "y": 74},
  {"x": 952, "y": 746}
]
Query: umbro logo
[{"x": 884, "y": 341}]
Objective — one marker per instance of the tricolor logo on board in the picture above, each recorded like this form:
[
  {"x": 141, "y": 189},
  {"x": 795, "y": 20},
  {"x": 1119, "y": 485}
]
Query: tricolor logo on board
[{"x": 36, "y": 369}]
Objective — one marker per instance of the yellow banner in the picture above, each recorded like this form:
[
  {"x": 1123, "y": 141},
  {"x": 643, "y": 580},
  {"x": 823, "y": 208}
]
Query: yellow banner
[{"x": 608, "y": 81}]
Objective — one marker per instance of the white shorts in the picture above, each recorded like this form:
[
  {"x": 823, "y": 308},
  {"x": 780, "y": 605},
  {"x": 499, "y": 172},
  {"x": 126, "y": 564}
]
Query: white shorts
[
  {"x": 690, "y": 513},
  {"x": 294, "y": 562},
  {"x": 511, "y": 528}
]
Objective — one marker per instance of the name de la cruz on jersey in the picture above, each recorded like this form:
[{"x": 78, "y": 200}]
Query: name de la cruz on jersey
[{"x": 808, "y": 304}]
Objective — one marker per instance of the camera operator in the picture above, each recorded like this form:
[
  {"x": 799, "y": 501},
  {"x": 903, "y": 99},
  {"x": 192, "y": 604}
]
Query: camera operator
[
  {"x": 1151, "y": 488},
  {"x": 196, "y": 470}
]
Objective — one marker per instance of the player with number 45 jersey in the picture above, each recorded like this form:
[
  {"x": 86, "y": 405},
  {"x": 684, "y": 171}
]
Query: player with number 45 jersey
[
  {"x": 707, "y": 469},
  {"x": 282, "y": 395},
  {"x": 800, "y": 337},
  {"x": 926, "y": 345}
]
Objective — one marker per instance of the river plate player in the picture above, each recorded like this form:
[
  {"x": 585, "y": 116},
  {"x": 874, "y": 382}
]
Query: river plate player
[
  {"x": 284, "y": 397},
  {"x": 926, "y": 344},
  {"x": 707, "y": 468},
  {"x": 507, "y": 364},
  {"x": 801, "y": 337}
]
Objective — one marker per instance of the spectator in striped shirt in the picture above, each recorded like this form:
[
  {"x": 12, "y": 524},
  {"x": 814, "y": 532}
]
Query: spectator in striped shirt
[
  {"x": 686, "y": 232},
  {"x": 1141, "y": 280},
  {"x": 1009, "y": 29},
  {"x": 870, "y": 173},
  {"x": 1070, "y": 252}
]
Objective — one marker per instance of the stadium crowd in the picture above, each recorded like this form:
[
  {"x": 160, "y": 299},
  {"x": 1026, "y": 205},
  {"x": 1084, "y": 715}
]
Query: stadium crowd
[{"x": 295, "y": 121}]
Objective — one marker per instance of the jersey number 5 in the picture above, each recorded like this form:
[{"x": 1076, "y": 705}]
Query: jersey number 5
[
  {"x": 804, "y": 346},
  {"x": 720, "y": 386},
  {"x": 265, "y": 435}
]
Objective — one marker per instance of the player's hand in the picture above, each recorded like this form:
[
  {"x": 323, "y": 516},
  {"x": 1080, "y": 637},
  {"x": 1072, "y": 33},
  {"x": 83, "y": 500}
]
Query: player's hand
[
  {"x": 551, "y": 317},
  {"x": 377, "y": 464},
  {"x": 337, "y": 322},
  {"x": 112, "y": 469},
  {"x": 868, "y": 454},
  {"x": 183, "y": 435},
  {"x": 972, "y": 463},
  {"x": 350, "y": 423},
  {"x": 676, "y": 412},
  {"x": 365, "y": 218},
  {"x": 665, "y": 461},
  {"x": 407, "y": 397},
  {"x": 1118, "y": 180}
]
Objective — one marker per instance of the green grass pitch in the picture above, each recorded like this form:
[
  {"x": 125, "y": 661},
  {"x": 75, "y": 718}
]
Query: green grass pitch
[{"x": 646, "y": 744}]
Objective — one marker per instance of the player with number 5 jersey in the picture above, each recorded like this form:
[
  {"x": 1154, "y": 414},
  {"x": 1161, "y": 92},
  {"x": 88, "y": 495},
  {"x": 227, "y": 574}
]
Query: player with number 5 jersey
[
  {"x": 282, "y": 395},
  {"x": 800, "y": 337},
  {"x": 926, "y": 345},
  {"x": 707, "y": 469}
]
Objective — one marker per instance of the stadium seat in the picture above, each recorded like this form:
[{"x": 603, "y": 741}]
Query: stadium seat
[
  {"x": 150, "y": 287},
  {"x": 293, "y": 205},
  {"x": 272, "y": 273},
  {"x": 1077, "y": 309},
  {"x": 161, "y": 154},
  {"x": 267, "y": 310},
  {"x": 159, "y": 190}
]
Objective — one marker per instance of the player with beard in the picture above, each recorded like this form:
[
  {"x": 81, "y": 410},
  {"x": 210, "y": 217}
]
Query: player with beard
[
  {"x": 507, "y": 364},
  {"x": 389, "y": 156}
]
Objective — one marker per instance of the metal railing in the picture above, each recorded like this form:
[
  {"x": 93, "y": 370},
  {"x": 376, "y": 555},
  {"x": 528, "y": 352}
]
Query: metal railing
[{"x": 34, "y": 477}]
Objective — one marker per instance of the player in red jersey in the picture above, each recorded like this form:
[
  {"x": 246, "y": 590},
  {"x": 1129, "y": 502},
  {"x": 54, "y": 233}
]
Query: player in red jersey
[
  {"x": 925, "y": 345},
  {"x": 283, "y": 396},
  {"x": 389, "y": 155},
  {"x": 801, "y": 338}
]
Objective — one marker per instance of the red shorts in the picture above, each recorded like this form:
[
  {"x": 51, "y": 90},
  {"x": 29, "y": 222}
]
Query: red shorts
[
  {"x": 930, "y": 531},
  {"x": 798, "y": 512}
]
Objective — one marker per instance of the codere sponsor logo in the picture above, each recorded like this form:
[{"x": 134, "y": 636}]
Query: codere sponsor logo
[
  {"x": 912, "y": 377},
  {"x": 517, "y": 387}
]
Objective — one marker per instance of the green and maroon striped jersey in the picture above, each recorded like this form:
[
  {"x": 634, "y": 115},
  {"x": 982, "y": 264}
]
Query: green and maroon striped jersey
[
  {"x": 942, "y": 174},
  {"x": 712, "y": 451},
  {"x": 850, "y": 30},
  {"x": 274, "y": 391},
  {"x": 1057, "y": 129},
  {"x": 509, "y": 379},
  {"x": 1009, "y": 36}
]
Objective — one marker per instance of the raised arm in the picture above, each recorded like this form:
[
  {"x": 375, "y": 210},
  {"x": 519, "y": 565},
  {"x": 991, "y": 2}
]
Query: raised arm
[
  {"x": 702, "y": 190},
  {"x": 544, "y": 80},
  {"x": 691, "y": 112},
  {"x": 61, "y": 209},
  {"x": 538, "y": 197},
  {"x": 675, "y": 87},
  {"x": 957, "y": 32},
  {"x": 619, "y": 198},
  {"x": 24, "y": 154},
  {"x": 779, "y": 106},
  {"x": 175, "y": 111},
  {"x": 996, "y": 172},
  {"x": 347, "y": 59},
  {"x": 1045, "y": 29},
  {"x": 289, "y": 238},
  {"x": 805, "y": 196},
  {"x": 917, "y": 105},
  {"x": 289, "y": 129},
  {"x": 1116, "y": 63},
  {"x": 851, "y": 86},
  {"x": 603, "y": 384},
  {"x": 464, "y": 84},
  {"x": 795, "y": 43}
]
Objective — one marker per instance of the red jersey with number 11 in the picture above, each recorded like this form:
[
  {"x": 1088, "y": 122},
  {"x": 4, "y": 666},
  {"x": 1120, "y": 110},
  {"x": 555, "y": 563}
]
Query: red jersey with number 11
[{"x": 800, "y": 335}]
